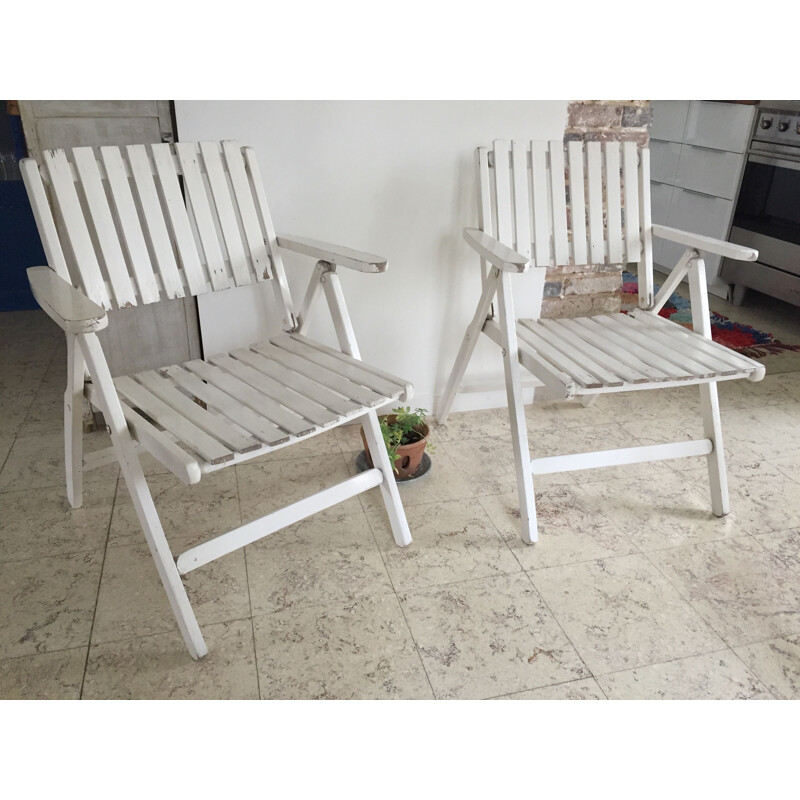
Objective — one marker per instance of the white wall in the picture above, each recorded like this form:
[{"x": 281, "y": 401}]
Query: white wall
[{"x": 394, "y": 178}]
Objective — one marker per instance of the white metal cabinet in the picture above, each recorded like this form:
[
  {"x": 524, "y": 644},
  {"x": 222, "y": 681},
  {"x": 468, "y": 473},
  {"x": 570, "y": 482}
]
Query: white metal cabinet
[
  {"x": 697, "y": 151},
  {"x": 660, "y": 198},
  {"x": 712, "y": 172},
  {"x": 723, "y": 126},
  {"x": 697, "y": 213},
  {"x": 664, "y": 157},
  {"x": 669, "y": 123}
]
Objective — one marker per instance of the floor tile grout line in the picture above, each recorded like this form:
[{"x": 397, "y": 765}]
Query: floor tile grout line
[
  {"x": 97, "y": 593},
  {"x": 541, "y": 597},
  {"x": 8, "y": 455},
  {"x": 10, "y": 659},
  {"x": 788, "y": 561},
  {"x": 560, "y": 625},
  {"x": 686, "y": 599},
  {"x": 249, "y": 593},
  {"x": 397, "y": 598},
  {"x": 755, "y": 675},
  {"x": 169, "y": 632},
  {"x": 550, "y": 686}
]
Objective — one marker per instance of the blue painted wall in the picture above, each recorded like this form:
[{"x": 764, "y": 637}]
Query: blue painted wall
[{"x": 20, "y": 246}]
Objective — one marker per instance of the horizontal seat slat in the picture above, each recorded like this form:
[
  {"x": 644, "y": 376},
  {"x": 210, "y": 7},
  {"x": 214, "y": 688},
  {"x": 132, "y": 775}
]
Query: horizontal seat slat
[
  {"x": 599, "y": 329},
  {"x": 311, "y": 411},
  {"x": 369, "y": 376},
  {"x": 688, "y": 350},
  {"x": 314, "y": 391},
  {"x": 658, "y": 355},
  {"x": 630, "y": 351},
  {"x": 215, "y": 398},
  {"x": 230, "y": 407},
  {"x": 322, "y": 375},
  {"x": 576, "y": 349},
  {"x": 628, "y": 374},
  {"x": 591, "y": 333},
  {"x": 198, "y": 440},
  {"x": 560, "y": 361},
  {"x": 252, "y": 397},
  {"x": 216, "y": 426},
  {"x": 731, "y": 357},
  {"x": 625, "y": 327}
]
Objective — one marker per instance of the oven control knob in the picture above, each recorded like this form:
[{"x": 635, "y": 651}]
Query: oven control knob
[
  {"x": 783, "y": 125},
  {"x": 766, "y": 122}
]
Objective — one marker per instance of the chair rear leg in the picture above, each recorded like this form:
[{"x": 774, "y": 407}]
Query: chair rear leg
[
  {"x": 516, "y": 412},
  {"x": 712, "y": 428},
  {"x": 389, "y": 490},
  {"x": 73, "y": 423},
  {"x": 467, "y": 348}
]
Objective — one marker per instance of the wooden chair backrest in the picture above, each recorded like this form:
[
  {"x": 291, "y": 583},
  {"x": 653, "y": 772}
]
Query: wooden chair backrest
[
  {"x": 569, "y": 203},
  {"x": 142, "y": 223}
]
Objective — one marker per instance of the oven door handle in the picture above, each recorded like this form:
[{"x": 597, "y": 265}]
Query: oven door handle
[{"x": 774, "y": 162}]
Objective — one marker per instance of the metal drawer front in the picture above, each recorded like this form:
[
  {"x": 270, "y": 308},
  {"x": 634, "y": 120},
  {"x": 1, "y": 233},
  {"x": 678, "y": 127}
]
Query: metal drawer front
[{"x": 713, "y": 172}]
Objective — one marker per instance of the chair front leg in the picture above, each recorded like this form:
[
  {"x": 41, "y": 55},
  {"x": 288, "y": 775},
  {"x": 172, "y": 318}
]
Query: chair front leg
[
  {"x": 709, "y": 399},
  {"x": 73, "y": 422},
  {"x": 372, "y": 428},
  {"x": 516, "y": 411},
  {"x": 389, "y": 490},
  {"x": 141, "y": 497}
]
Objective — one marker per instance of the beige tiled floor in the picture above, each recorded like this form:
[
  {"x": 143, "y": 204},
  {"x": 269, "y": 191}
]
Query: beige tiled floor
[{"x": 634, "y": 591}]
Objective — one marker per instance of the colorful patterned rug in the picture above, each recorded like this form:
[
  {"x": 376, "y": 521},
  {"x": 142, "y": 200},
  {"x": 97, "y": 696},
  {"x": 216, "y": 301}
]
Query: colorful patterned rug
[{"x": 741, "y": 338}]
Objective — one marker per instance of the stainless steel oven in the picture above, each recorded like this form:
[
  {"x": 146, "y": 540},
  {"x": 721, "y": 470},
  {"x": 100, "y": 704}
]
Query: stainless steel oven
[{"x": 767, "y": 213}]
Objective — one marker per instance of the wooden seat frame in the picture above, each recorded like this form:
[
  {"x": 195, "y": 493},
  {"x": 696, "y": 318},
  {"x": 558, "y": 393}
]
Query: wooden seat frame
[
  {"x": 544, "y": 205},
  {"x": 122, "y": 226}
]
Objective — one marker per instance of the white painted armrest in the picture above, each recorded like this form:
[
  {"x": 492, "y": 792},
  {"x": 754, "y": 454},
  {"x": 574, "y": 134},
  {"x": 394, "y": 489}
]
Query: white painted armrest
[
  {"x": 706, "y": 243},
  {"x": 495, "y": 252},
  {"x": 70, "y": 308},
  {"x": 341, "y": 256}
]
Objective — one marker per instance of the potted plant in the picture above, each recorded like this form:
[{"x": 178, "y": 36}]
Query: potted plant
[{"x": 405, "y": 434}]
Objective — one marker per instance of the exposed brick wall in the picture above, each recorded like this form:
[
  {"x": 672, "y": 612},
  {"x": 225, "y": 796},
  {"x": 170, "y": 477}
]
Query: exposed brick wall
[{"x": 578, "y": 291}]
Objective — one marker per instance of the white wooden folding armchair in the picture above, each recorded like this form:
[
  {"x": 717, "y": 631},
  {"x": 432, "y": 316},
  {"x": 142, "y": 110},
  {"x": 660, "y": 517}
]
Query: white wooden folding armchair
[
  {"x": 147, "y": 223},
  {"x": 547, "y": 204}
]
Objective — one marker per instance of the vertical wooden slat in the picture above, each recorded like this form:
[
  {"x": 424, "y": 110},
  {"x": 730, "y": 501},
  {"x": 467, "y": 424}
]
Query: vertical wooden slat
[
  {"x": 179, "y": 218},
  {"x": 206, "y": 228},
  {"x": 78, "y": 234},
  {"x": 484, "y": 200},
  {"x": 541, "y": 211},
  {"x": 43, "y": 215},
  {"x": 502, "y": 184},
  {"x": 226, "y": 213},
  {"x": 522, "y": 206},
  {"x": 646, "y": 285},
  {"x": 577, "y": 193},
  {"x": 259, "y": 254},
  {"x": 613, "y": 203},
  {"x": 154, "y": 221},
  {"x": 594, "y": 164},
  {"x": 280, "y": 285},
  {"x": 107, "y": 239},
  {"x": 559, "y": 203},
  {"x": 630, "y": 175},
  {"x": 132, "y": 236},
  {"x": 484, "y": 194}
]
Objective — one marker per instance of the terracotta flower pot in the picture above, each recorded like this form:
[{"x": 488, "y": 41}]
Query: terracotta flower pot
[{"x": 409, "y": 456}]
